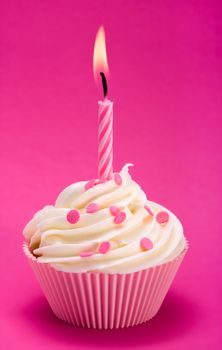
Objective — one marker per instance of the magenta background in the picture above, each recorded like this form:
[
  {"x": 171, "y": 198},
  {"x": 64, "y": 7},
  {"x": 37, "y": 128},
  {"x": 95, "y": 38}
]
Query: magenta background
[{"x": 166, "y": 82}]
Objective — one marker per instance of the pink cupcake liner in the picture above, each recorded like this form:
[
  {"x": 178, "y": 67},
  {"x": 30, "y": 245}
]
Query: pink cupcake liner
[{"x": 102, "y": 300}]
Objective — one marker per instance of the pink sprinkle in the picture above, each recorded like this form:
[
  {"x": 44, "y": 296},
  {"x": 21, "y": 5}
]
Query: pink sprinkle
[
  {"x": 118, "y": 179},
  {"x": 162, "y": 217},
  {"x": 114, "y": 210},
  {"x": 146, "y": 243},
  {"x": 104, "y": 247},
  {"x": 149, "y": 210},
  {"x": 73, "y": 216},
  {"x": 120, "y": 217},
  {"x": 86, "y": 254},
  {"x": 92, "y": 208},
  {"x": 90, "y": 184}
]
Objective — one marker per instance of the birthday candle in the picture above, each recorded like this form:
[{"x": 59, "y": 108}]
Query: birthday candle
[
  {"x": 105, "y": 114},
  {"x": 105, "y": 139}
]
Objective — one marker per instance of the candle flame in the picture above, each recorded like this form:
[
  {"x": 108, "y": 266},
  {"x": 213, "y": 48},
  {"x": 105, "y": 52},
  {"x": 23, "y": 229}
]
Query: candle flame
[{"x": 100, "y": 63}]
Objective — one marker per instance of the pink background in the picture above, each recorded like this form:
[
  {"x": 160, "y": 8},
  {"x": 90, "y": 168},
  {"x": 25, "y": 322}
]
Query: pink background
[{"x": 166, "y": 82}]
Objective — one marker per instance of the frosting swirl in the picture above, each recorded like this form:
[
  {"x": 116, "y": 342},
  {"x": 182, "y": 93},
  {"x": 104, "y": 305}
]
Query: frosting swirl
[{"x": 76, "y": 246}]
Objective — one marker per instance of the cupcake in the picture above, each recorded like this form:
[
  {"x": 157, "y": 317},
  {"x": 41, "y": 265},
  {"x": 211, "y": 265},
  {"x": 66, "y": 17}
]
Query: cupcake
[{"x": 104, "y": 255}]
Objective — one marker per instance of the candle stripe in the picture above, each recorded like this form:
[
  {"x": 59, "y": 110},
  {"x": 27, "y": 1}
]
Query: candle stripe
[
  {"x": 103, "y": 159},
  {"x": 106, "y": 147},
  {"x": 107, "y": 161},
  {"x": 103, "y": 111},
  {"x": 109, "y": 152},
  {"x": 102, "y": 106},
  {"x": 108, "y": 173},
  {"x": 107, "y": 134},
  {"x": 104, "y": 120},
  {"x": 105, "y": 169},
  {"x": 103, "y": 131},
  {"x": 105, "y": 140}
]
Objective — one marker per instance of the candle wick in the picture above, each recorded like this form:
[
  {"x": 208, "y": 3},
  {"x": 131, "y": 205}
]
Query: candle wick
[{"x": 104, "y": 82}]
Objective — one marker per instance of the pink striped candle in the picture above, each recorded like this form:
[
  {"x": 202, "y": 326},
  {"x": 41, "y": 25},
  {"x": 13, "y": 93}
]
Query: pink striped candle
[
  {"x": 105, "y": 128},
  {"x": 105, "y": 138}
]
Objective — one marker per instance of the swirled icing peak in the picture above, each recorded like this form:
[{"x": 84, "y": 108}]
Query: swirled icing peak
[{"x": 104, "y": 226}]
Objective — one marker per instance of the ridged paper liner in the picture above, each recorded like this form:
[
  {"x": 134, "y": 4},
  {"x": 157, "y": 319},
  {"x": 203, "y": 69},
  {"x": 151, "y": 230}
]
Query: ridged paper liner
[{"x": 103, "y": 300}]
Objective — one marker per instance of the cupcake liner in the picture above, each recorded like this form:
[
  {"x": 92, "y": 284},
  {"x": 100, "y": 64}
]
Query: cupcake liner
[{"x": 102, "y": 300}]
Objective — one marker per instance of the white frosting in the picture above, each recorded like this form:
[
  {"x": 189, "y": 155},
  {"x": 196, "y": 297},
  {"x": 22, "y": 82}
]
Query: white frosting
[{"x": 54, "y": 240}]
